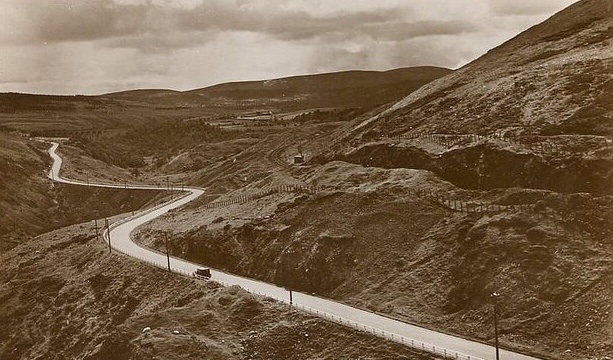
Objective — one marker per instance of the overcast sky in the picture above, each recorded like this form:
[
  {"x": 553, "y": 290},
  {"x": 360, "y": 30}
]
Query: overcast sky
[{"x": 98, "y": 46}]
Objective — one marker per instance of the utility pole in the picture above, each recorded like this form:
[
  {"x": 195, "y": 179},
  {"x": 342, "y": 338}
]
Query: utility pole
[
  {"x": 291, "y": 300},
  {"x": 495, "y": 296},
  {"x": 167, "y": 253},
  {"x": 108, "y": 231}
]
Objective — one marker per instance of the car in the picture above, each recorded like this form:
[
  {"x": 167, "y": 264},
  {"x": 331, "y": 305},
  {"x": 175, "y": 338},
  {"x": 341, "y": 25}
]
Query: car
[{"x": 202, "y": 273}]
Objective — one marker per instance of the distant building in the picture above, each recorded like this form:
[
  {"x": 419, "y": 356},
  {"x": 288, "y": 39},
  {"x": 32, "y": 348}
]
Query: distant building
[{"x": 299, "y": 159}]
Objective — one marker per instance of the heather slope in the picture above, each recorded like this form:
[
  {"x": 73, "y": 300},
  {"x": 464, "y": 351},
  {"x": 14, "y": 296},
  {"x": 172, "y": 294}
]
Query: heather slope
[
  {"x": 378, "y": 239},
  {"x": 64, "y": 297},
  {"x": 554, "y": 78}
]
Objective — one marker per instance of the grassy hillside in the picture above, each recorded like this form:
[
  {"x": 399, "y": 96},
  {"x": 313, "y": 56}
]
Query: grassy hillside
[
  {"x": 552, "y": 79},
  {"x": 64, "y": 297},
  {"x": 375, "y": 238},
  {"x": 32, "y": 205}
]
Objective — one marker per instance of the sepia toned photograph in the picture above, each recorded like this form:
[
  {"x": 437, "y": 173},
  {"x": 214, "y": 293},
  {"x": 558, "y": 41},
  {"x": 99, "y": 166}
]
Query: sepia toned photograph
[{"x": 306, "y": 179}]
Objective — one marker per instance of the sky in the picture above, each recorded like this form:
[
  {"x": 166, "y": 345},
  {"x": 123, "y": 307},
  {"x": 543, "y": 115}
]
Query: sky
[{"x": 100, "y": 46}]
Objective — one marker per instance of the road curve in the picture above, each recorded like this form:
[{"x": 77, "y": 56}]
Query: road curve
[{"x": 411, "y": 335}]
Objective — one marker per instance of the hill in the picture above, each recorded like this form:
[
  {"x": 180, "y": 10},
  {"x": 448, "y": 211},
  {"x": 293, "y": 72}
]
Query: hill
[
  {"x": 423, "y": 227},
  {"x": 542, "y": 101},
  {"x": 65, "y": 297},
  {"x": 340, "y": 89},
  {"x": 554, "y": 78}
]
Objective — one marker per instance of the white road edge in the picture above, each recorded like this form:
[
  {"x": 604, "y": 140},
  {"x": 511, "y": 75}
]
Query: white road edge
[{"x": 410, "y": 335}]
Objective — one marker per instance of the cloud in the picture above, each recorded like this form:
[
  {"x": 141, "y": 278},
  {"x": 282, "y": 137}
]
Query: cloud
[
  {"x": 93, "y": 46},
  {"x": 49, "y": 22},
  {"x": 136, "y": 23},
  {"x": 402, "y": 31},
  {"x": 523, "y": 7}
]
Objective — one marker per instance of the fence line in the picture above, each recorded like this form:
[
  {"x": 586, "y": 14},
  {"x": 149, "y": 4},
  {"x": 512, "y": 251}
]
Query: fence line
[
  {"x": 476, "y": 207},
  {"x": 281, "y": 189},
  {"x": 537, "y": 143},
  {"x": 407, "y": 341}
]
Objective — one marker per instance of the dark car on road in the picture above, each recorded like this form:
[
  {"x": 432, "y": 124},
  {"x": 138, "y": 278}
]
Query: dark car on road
[{"x": 203, "y": 273}]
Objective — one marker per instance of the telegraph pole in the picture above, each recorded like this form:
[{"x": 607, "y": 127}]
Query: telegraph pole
[
  {"x": 291, "y": 300},
  {"x": 495, "y": 296},
  {"x": 108, "y": 231},
  {"x": 167, "y": 253}
]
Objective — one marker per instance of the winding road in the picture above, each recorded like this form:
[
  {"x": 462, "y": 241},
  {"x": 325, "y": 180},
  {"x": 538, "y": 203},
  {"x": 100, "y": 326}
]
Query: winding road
[{"x": 410, "y": 335}]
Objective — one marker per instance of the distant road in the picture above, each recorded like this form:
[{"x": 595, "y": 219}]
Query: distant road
[{"x": 411, "y": 335}]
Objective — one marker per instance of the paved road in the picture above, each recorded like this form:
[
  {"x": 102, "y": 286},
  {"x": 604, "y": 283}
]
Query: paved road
[{"x": 411, "y": 335}]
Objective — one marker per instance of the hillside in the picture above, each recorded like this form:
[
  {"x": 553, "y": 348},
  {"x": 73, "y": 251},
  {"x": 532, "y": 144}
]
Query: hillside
[
  {"x": 554, "y": 78},
  {"x": 64, "y": 297},
  {"x": 41, "y": 206},
  {"x": 542, "y": 103},
  {"x": 341, "y": 89}
]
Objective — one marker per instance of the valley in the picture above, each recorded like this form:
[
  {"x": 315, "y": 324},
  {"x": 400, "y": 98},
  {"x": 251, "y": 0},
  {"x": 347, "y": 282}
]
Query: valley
[{"x": 414, "y": 194}]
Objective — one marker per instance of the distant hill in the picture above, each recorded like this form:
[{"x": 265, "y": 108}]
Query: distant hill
[
  {"x": 340, "y": 89},
  {"x": 554, "y": 78},
  {"x": 347, "y": 89}
]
